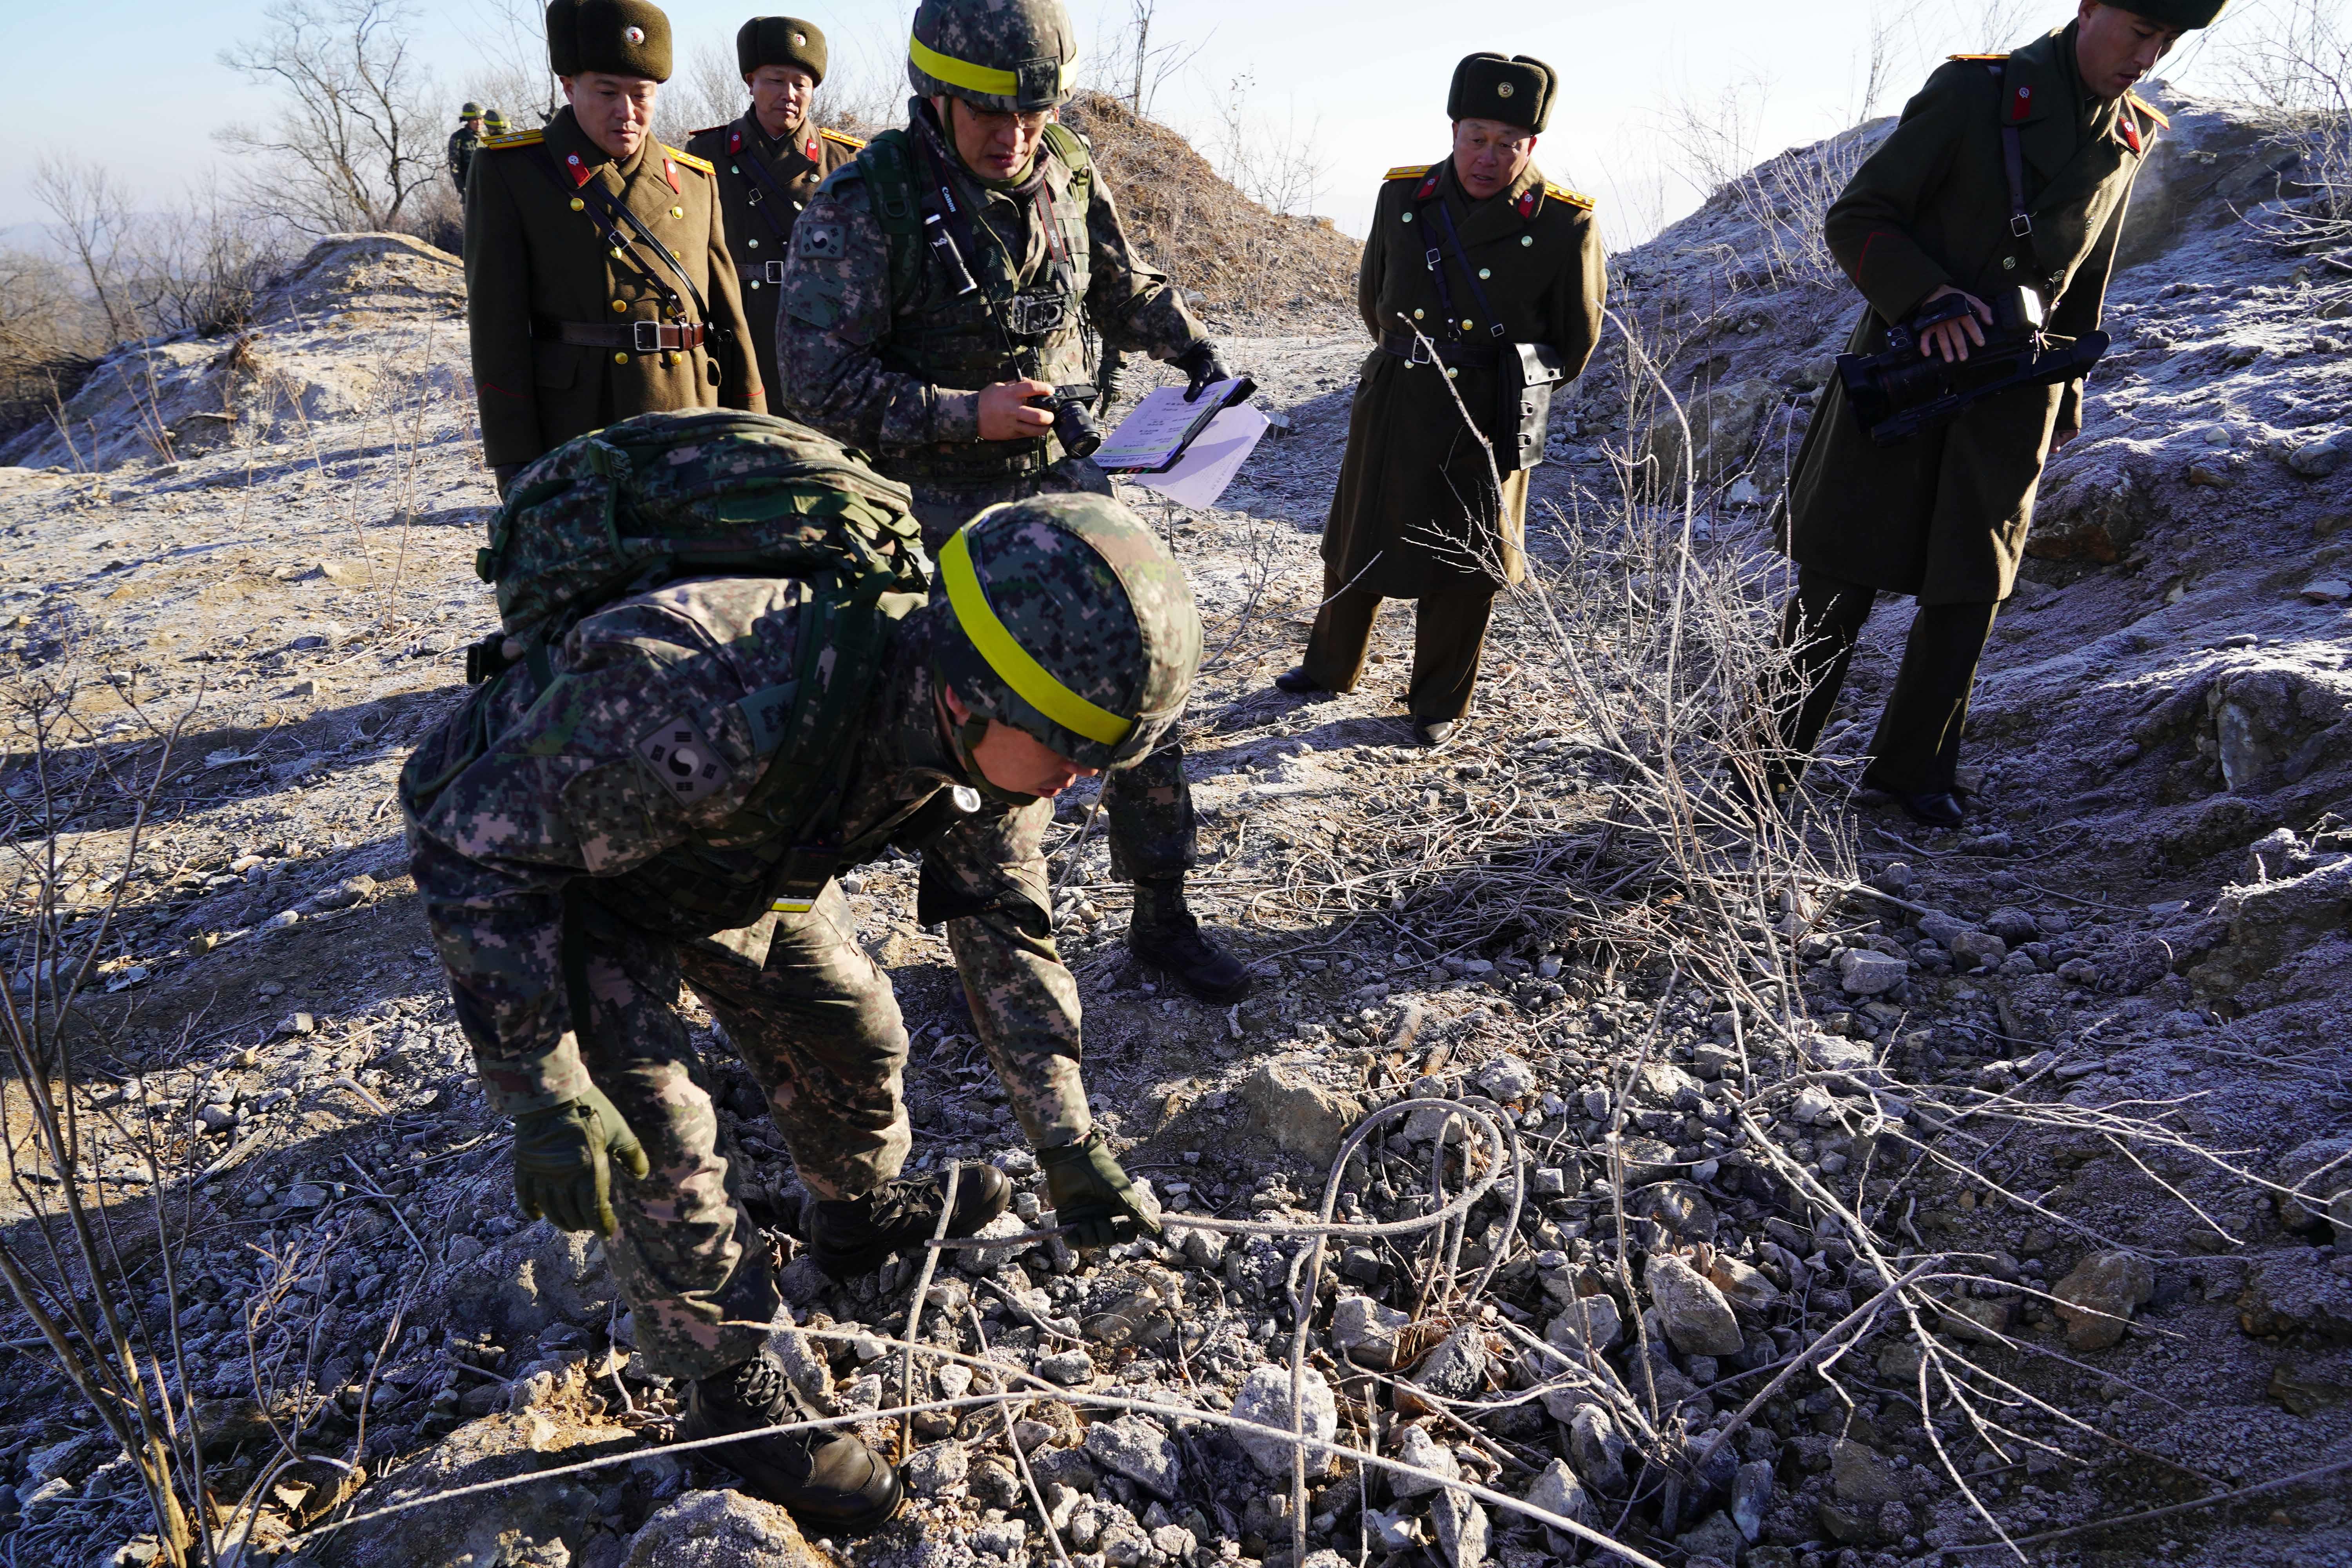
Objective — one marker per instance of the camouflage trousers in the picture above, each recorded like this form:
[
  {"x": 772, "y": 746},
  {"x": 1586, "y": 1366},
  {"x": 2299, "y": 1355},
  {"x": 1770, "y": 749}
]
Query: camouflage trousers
[
  {"x": 1153, "y": 833},
  {"x": 817, "y": 1024}
]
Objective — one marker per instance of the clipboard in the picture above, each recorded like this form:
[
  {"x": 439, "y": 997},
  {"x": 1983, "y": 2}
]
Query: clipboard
[{"x": 1152, "y": 438}]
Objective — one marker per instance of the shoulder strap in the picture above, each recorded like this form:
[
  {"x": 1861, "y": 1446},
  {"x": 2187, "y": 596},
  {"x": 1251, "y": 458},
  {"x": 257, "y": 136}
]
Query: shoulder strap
[
  {"x": 620, "y": 224},
  {"x": 1071, "y": 149},
  {"x": 891, "y": 182},
  {"x": 2013, "y": 159},
  {"x": 1469, "y": 273}
]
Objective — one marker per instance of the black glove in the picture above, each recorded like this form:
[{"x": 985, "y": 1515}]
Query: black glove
[
  {"x": 503, "y": 474},
  {"x": 1108, "y": 377},
  {"x": 1094, "y": 1197},
  {"x": 563, "y": 1162},
  {"x": 1200, "y": 362}
]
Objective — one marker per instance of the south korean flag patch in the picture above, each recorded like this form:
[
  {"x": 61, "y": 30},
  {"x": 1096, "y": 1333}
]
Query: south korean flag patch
[
  {"x": 828, "y": 239},
  {"x": 688, "y": 766}
]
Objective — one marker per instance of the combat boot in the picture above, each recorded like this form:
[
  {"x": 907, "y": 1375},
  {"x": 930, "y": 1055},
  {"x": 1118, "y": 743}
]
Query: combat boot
[
  {"x": 848, "y": 1237},
  {"x": 1164, "y": 936},
  {"x": 829, "y": 1481}
]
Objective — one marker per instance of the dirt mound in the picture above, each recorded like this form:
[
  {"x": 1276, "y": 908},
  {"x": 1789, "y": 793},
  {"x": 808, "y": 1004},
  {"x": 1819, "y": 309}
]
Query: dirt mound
[{"x": 1243, "y": 259}]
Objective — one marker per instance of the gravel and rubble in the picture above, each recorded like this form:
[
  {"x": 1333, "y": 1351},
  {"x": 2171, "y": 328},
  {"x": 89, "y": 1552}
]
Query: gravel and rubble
[{"x": 2075, "y": 1073}]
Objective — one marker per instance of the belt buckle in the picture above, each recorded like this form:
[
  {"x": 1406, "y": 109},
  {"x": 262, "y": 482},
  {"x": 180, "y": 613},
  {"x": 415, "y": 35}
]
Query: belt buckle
[
  {"x": 774, "y": 271},
  {"x": 646, "y": 336},
  {"x": 2021, "y": 225},
  {"x": 1421, "y": 353}
]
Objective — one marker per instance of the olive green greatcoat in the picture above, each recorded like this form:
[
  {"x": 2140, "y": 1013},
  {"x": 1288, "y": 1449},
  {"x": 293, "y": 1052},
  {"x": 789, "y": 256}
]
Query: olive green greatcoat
[
  {"x": 1416, "y": 509},
  {"x": 529, "y": 253},
  {"x": 1944, "y": 514},
  {"x": 759, "y": 225}
]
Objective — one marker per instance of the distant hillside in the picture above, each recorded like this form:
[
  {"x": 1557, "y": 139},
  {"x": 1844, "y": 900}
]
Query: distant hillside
[{"x": 1244, "y": 260}]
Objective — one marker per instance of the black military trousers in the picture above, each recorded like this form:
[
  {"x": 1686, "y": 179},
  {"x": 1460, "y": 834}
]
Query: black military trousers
[
  {"x": 1449, "y": 639},
  {"x": 1154, "y": 836},
  {"x": 1916, "y": 750}
]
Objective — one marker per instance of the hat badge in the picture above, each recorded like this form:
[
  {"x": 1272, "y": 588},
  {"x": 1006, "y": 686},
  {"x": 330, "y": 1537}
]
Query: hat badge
[
  {"x": 800, "y": 40},
  {"x": 1504, "y": 89},
  {"x": 635, "y": 34}
]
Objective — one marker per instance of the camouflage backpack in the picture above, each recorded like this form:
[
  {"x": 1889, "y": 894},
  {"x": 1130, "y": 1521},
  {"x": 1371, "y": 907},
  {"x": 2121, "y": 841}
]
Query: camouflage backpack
[{"x": 665, "y": 496}]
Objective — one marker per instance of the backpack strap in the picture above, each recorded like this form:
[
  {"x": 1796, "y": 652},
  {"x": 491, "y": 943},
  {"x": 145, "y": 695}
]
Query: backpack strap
[
  {"x": 1072, "y": 149},
  {"x": 889, "y": 177}
]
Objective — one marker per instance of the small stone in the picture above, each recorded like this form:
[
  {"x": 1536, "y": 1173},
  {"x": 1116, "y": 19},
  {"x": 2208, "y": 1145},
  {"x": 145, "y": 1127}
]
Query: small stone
[
  {"x": 1265, "y": 1399},
  {"x": 1557, "y": 1490},
  {"x": 939, "y": 1470},
  {"x": 1362, "y": 1264},
  {"x": 1977, "y": 949},
  {"x": 215, "y": 1118},
  {"x": 703, "y": 1529},
  {"x": 2012, "y": 925},
  {"x": 1416, "y": 1447},
  {"x": 1591, "y": 1321},
  {"x": 1751, "y": 1496},
  {"x": 2324, "y": 590},
  {"x": 1698, "y": 1320},
  {"x": 1140, "y": 1451},
  {"x": 1506, "y": 1079},
  {"x": 1859, "y": 1475},
  {"x": 1456, "y": 1368},
  {"x": 1302, "y": 1115},
  {"x": 1460, "y": 1529},
  {"x": 1745, "y": 1288},
  {"x": 2317, "y": 1171},
  {"x": 1069, "y": 1368},
  {"x": 2304, "y": 1392},
  {"x": 1863, "y": 972},
  {"x": 1715, "y": 1539},
  {"x": 2097, "y": 1300},
  {"x": 989, "y": 1259},
  {"x": 1597, "y": 1449},
  {"x": 1365, "y": 1331}
]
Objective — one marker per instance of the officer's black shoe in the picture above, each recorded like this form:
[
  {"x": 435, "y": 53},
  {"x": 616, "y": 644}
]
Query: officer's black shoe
[
  {"x": 848, "y": 1237},
  {"x": 1434, "y": 732},
  {"x": 829, "y": 1481},
  {"x": 1164, "y": 936},
  {"x": 1940, "y": 809},
  {"x": 1298, "y": 682}
]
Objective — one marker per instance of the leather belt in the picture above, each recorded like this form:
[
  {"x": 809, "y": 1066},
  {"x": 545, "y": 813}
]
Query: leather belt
[
  {"x": 768, "y": 272},
  {"x": 1405, "y": 346},
  {"x": 637, "y": 337}
]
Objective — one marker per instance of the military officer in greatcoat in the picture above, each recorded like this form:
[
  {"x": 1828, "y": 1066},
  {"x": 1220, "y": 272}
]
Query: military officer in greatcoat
[
  {"x": 2006, "y": 173},
  {"x": 598, "y": 282},
  {"x": 1479, "y": 274},
  {"x": 936, "y": 313},
  {"x": 771, "y": 160}
]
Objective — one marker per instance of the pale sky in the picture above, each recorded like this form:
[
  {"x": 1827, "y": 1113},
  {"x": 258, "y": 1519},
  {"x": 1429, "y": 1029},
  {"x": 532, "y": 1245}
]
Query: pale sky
[{"x": 136, "y": 84}]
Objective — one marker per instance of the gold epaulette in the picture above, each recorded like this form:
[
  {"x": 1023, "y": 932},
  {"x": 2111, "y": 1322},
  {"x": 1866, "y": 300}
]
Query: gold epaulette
[
  {"x": 704, "y": 131},
  {"x": 2152, "y": 110},
  {"x": 691, "y": 160},
  {"x": 513, "y": 139},
  {"x": 1408, "y": 171},
  {"x": 1573, "y": 198},
  {"x": 1980, "y": 58},
  {"x": 851, "y": 142}
]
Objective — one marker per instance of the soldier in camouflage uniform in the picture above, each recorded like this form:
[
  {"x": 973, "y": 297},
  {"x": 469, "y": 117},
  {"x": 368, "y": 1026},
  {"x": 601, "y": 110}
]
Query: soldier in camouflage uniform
[
  {"x": 942, "y": 282},
  {"x": 560, "y": 820},
  {"x": 770, "y": 159},
  {"x": 462, "y": 143}
]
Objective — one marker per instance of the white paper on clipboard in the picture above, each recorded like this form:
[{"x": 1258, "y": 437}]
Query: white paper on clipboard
[
  {"x": 1150, "y": 436},
  {"x": 1213, "y": 459}
]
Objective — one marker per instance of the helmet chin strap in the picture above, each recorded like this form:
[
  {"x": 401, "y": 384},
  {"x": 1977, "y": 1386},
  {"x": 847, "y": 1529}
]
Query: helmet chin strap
[{"x": 967, "y": 737}]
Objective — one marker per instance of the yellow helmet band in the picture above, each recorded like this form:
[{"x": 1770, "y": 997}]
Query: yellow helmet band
[{"x": 1033, "y": 681}]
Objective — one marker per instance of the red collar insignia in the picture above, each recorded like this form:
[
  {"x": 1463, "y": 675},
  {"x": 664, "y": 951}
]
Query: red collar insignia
[
  {"x": 669, "y": 172},
  {"x": 2020, "y": 103},
  {"x": 1428, "y": 189},
  {"x": 1527, "y": 202},
  {"x": 734, "y": 139},
  {"x": 580, "y": 170},
  {"x": 811, "y": 153},
  {"x": 2131, "y": 132}
]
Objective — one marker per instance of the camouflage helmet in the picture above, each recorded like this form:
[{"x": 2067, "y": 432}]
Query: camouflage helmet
[
  {"x": 1064, "y": 616},
  {"x": 470, "y": 112},
  {"x": 1003, "y": 54}
]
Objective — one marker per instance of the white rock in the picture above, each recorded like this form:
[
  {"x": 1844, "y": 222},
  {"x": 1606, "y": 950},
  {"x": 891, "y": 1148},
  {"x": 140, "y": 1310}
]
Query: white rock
[
  {"x": 1697, "y": 1319},
  {"x": 1866, "y": 973},
  {"x": 1265, "y": 1398},
  {"x": 1461, "y": 1527},
  {"x": 1365, "y": 1331},
  {"x": 1557, "y": 1490},
  {"x": 1416, "y": 1447},
  {"x": 1508, "y": 1080}
]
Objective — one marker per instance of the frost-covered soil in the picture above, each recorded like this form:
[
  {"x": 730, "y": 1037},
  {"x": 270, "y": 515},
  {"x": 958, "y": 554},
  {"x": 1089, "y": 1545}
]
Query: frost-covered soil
[{"x": 2144, "y": 927}]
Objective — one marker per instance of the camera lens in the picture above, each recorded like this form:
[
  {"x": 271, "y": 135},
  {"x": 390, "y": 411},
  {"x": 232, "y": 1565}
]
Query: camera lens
[{"x": 1080, "y": 436}]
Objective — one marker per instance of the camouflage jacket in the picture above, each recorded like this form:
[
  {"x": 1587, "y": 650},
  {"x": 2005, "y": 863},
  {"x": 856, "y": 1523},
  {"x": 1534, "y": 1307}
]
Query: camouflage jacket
[
  {"x": 567, "y": 789},
  {"x": 844, "y": 325}
]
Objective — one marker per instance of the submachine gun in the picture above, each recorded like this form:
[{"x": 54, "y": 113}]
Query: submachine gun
[{"x": 1904, "y": 389}]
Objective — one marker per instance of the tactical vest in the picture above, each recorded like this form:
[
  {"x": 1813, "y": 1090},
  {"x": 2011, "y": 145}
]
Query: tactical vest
[{"x": 950, "y": 339}]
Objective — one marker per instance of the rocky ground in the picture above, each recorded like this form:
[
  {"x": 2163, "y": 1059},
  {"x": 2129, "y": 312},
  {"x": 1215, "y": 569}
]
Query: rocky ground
[{"x": 2063, "y": 1063}]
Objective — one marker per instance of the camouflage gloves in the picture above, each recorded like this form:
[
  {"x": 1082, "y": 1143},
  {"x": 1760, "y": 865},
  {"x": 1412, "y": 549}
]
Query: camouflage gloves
[
  {"x": 1202, "y": 364},
  {"x": 563, "y": 1162},
  {"x": 1094, "y": 1197}
]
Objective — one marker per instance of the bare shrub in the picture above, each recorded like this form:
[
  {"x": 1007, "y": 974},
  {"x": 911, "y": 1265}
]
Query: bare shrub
[
  {"x": 1281, "y": 167},
  {"x": 1138, "y": 58},
  {"x": 352, "y": 147},
  {"x": 2297, "y": 71}
]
